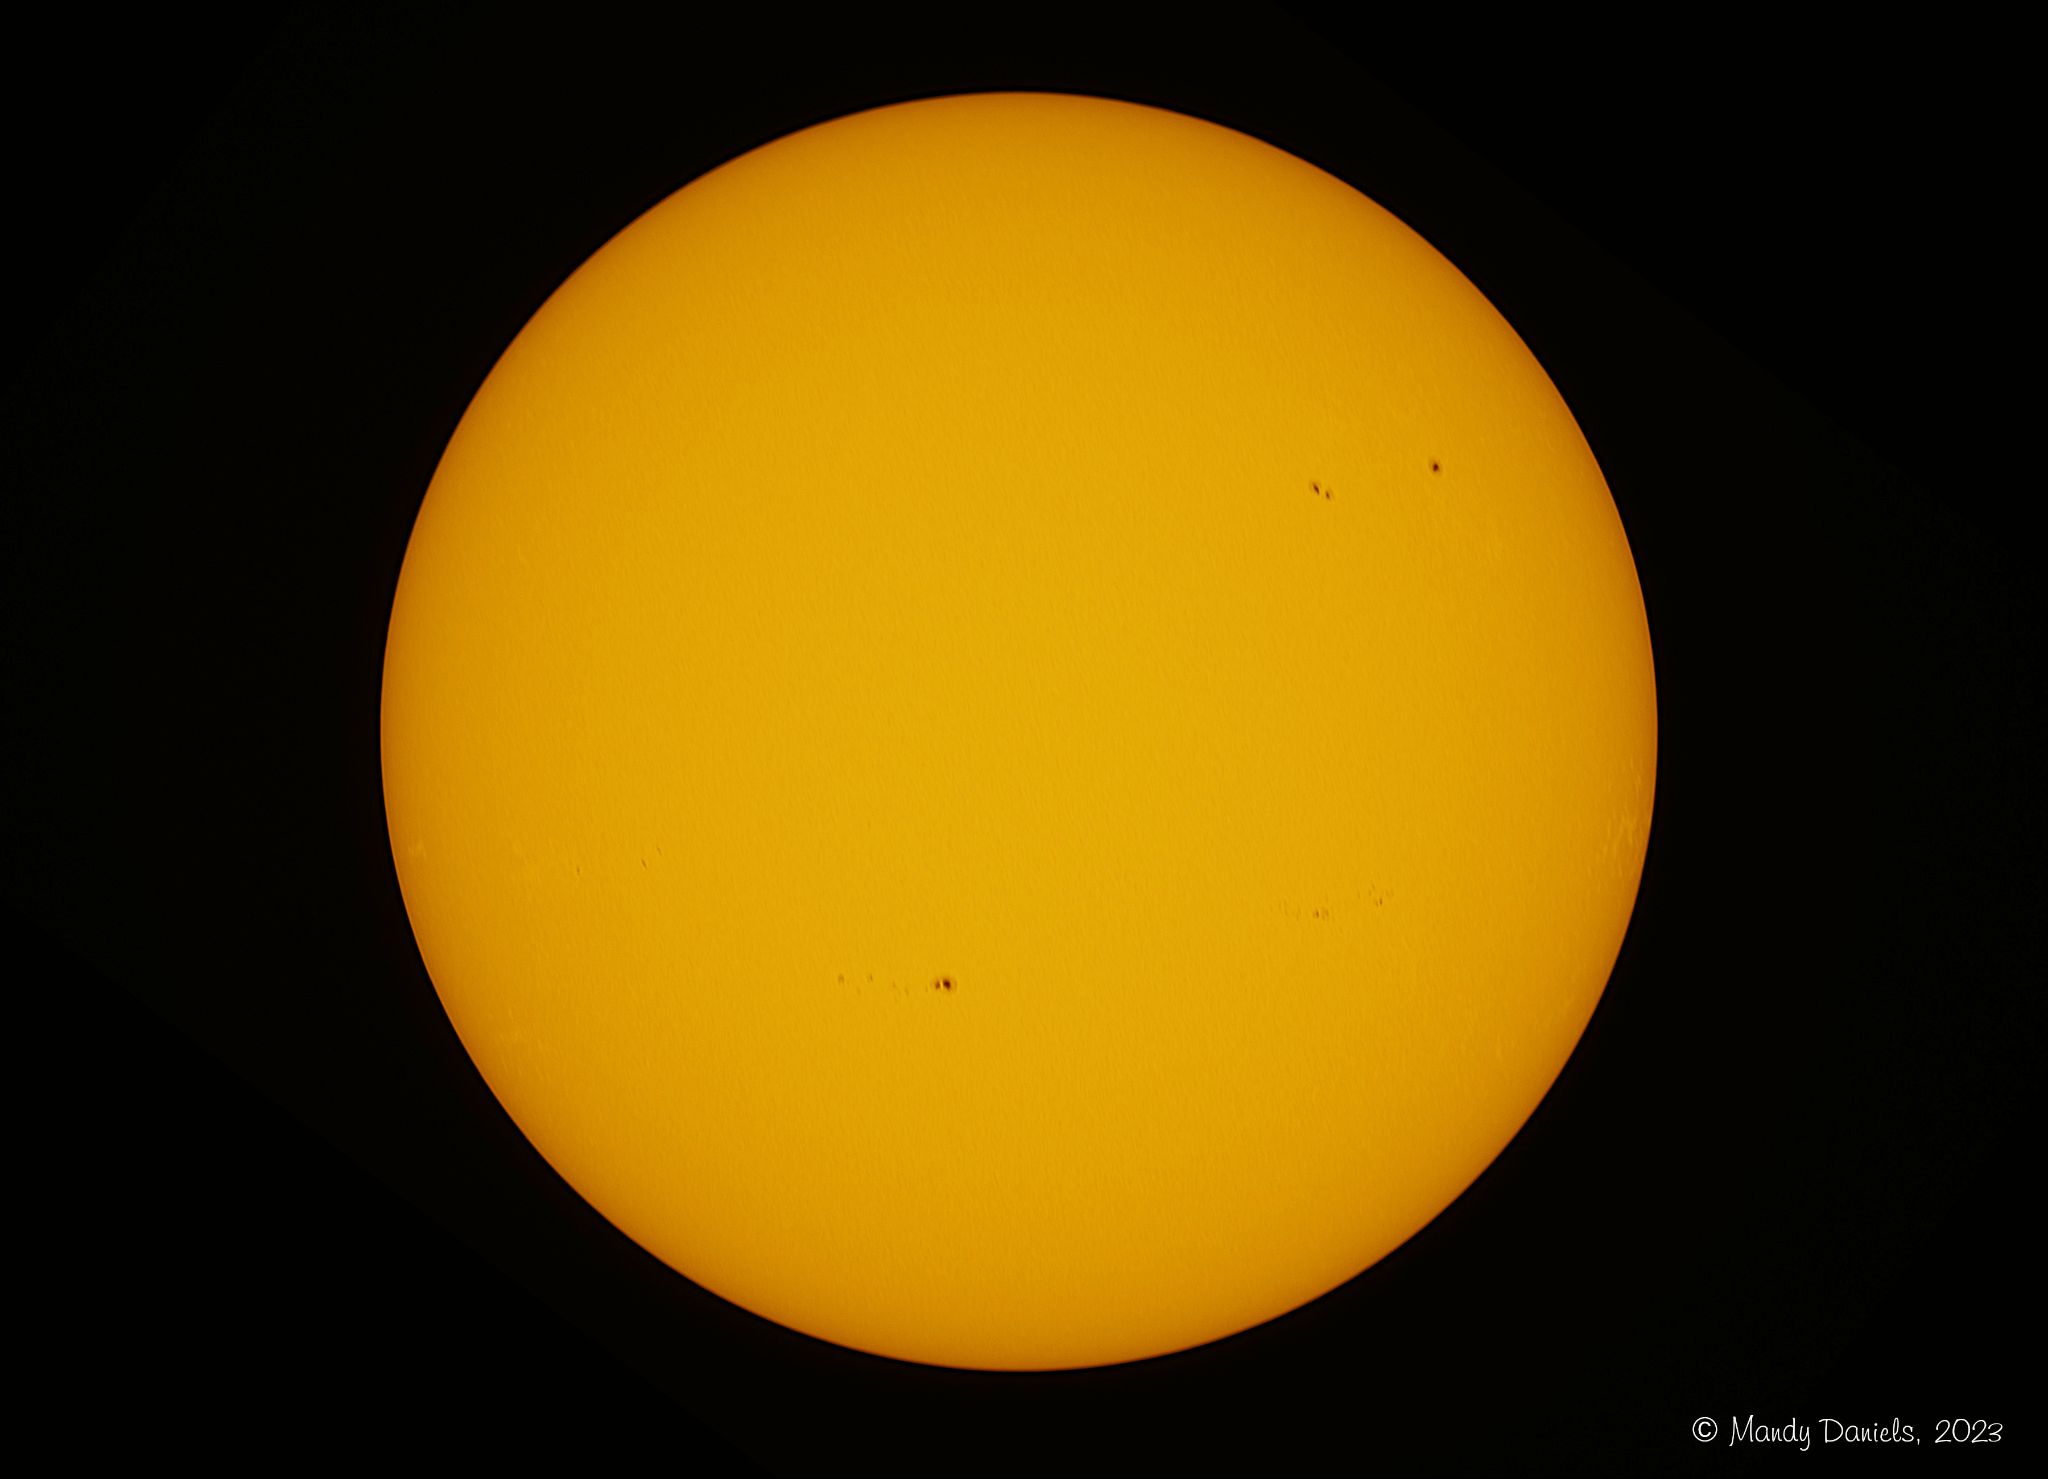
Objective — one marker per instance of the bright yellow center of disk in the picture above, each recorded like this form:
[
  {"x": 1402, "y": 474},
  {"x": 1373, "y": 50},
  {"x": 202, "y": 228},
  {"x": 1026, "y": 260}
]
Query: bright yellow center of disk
[{"x": 1018, "y": 731}]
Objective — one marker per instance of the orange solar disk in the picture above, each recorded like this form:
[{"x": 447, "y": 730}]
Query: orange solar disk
[{"x": 1018, "y": 731}]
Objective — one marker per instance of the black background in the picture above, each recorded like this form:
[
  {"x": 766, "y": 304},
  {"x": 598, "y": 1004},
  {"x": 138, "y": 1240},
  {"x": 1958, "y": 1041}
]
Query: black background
[{"x": 263, "y": 262}]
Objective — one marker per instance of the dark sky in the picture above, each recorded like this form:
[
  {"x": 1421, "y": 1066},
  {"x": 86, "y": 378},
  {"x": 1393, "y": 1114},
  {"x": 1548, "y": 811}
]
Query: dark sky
[{"x": 261, "y": 266}]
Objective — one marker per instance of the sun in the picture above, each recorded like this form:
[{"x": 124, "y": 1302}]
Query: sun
[{"x": 1018, "y": 731}]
